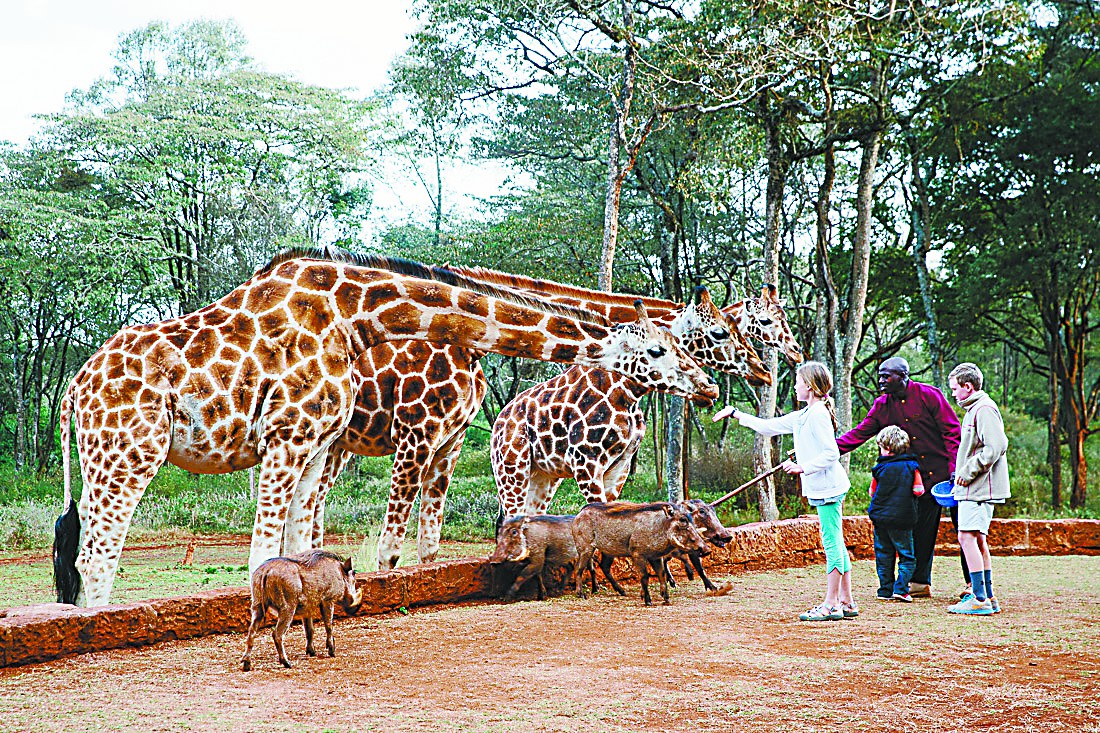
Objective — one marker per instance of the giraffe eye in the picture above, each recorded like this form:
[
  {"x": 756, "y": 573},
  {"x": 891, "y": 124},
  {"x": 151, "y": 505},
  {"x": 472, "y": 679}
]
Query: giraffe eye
[
  {"x": 765, "y": 321},
  {"x": 656, "y": 351},
  {"x": 719, "y": 334}
]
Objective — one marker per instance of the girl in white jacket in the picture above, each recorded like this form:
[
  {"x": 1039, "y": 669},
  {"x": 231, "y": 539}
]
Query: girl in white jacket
[{"x": 824, "y": 481}]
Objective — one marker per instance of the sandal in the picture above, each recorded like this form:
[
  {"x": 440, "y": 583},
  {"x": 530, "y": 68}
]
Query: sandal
[
  {"x": 849, "y": 610},
  {"x": 821, "y": 613}
]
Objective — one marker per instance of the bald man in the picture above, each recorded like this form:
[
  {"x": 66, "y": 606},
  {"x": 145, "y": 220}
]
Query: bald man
[{"x": 924, "y": 414}]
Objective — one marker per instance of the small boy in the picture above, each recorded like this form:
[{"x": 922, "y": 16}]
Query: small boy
[
  {"x": 981, "y": 481},
  {"x": 895, "y": 484}
]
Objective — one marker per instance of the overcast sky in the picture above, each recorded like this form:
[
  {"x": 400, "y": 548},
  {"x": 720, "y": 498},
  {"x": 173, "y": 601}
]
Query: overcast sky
[{"x": 50, "y": 47}]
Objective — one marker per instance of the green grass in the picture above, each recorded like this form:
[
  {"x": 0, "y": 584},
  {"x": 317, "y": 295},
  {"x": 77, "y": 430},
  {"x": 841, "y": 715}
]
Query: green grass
[{"x": 180, "y": 501}]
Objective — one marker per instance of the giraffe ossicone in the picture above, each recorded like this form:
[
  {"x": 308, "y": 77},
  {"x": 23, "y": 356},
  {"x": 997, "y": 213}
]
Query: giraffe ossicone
[{"x": 264, "y": 376}]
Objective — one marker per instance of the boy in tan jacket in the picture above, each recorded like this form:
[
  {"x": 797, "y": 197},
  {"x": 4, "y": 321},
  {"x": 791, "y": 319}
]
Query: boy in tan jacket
[{"x": 981, "y": 481}]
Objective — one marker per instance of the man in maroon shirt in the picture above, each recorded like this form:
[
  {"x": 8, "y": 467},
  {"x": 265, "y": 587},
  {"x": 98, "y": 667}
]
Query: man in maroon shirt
[{"x": 924, "y": 414}]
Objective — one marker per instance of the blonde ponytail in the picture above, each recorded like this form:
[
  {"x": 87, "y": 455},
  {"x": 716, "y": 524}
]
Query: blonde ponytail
[
  {"x": 830, "y": 404},
  {"x": 820, "y": 381}
]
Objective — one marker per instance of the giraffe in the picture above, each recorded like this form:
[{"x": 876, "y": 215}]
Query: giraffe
[
  {"x": 585, "y": 424},
  {"x": 264, "y": 376},
  {"x": 764, "y": 319},
  {"x": 425, "y": 424},
  {"x": 416, "y": 401}
]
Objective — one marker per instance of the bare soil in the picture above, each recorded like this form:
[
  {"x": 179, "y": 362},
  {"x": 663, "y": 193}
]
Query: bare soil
[{"x": 707, "y": 663}]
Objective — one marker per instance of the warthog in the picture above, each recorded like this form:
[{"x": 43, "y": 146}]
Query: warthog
[
  {"x": 710, "y": 527},
  {"x": 643, "y": 532},
  {"x": 302, "y": 586},
  {"x": 542, "y": 542}
]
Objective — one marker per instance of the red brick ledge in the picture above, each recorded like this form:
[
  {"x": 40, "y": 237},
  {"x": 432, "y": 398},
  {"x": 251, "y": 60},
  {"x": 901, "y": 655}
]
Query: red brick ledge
[
  {"x": 796, "y": 542},
  {"x": 50, "y": 631}
]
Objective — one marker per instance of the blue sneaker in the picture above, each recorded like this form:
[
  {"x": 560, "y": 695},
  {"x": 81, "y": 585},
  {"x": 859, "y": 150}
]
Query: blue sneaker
[
  {"x": 972, "y": 607},
  {"x": 996, "y": 606}
]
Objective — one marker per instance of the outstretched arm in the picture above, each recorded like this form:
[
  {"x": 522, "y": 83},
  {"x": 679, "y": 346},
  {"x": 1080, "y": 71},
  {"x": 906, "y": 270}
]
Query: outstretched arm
[{"x": 863, "y": 432}]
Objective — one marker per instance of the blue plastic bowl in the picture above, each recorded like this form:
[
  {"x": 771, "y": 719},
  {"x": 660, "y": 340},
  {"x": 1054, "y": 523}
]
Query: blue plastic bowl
[{"x": 941, "y": 492}]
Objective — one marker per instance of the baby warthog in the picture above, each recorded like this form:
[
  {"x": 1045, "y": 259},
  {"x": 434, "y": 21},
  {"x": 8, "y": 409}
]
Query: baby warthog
[
  {"x": 302, "y": 586},
  {"x": 541, "y": 542},
  {"x": 643, "y": 532}
]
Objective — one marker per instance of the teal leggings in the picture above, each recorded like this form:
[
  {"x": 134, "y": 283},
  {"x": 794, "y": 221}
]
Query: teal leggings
[{"x": 831, "y": 517}]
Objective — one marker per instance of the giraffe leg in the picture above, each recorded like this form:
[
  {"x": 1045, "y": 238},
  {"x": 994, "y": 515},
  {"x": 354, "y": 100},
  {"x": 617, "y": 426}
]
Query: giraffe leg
[
  {"x": 510, "y": 453},
  {"x": 541, "y": 488},
  {"x": 334, "y": 466},
  {"x": 282, "y": 468},
  {"x": 114, "y": 482},
  {"x": 616, "y": 474},
  {"x": 409, "y": 468},
  {"x": 301, "y": 514},
  {"x": 434, "y": 495}
]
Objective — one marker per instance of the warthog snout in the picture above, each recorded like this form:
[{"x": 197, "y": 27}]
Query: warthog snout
[{"x": 511, "y": 542}]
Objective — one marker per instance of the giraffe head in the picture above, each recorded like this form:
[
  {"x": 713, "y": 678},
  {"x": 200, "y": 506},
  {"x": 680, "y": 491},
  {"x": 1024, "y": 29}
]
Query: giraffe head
[
  {"x": 704, "y": 332},
  {"x": 652, "y": 355},
  {"x": 764, "y": 319}
]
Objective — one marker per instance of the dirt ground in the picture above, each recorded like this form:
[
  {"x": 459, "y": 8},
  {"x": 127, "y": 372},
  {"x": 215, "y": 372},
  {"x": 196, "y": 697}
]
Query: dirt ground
[{"x": 740, "y": 661}]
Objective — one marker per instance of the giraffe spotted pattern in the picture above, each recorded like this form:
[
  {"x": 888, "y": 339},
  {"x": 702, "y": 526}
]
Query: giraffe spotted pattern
[{"x": 265, "y": 376}]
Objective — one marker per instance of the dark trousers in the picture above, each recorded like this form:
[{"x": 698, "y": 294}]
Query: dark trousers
[
  {"x": 924, "y": 537},
  {"x": 891, "y": 543}
]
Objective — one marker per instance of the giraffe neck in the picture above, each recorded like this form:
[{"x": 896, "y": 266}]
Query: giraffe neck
[{"x": 615, "y": 307}]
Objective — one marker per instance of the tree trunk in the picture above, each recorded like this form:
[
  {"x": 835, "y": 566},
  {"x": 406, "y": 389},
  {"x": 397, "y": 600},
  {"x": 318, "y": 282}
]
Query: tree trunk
[
  {"x": 1072, "y": 369},
  {"x": 655, "y": 431},
  {"x": 825, "y": 297},
  {"x": 616, "y": 170},
  {"x": 921, "y": 227},
  {"x": 778, "y": 166},
  {"x": 1054, "y": 435},
  {"x": 857, "y": 287},
  {"x": 1079, "y": 465},
  {"x": 674, "y": 450},
  {"x": 438, "y": 213},
  {"x": 20, "y": 412}
]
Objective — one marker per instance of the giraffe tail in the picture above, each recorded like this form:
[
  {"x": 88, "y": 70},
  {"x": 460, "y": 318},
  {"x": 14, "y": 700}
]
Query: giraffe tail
[{"x": 66, "y": 531}]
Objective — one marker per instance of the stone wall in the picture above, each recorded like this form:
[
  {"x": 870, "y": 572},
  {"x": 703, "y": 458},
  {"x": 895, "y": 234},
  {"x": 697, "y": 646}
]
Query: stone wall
[{"x": 51, "y": 631}]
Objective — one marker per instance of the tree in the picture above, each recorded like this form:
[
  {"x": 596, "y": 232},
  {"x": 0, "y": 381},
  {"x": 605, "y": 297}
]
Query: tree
[
  {"x": 216, "y": 161},
  {"x": 426, "y": 90},
  {"x": 67, "y": 281},
  {"x": 1026, "y": 204}
]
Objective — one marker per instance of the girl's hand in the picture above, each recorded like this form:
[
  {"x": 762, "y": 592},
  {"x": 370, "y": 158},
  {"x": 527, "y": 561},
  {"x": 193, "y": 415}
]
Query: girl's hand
[
  {"x": 791, "y": 467},
  {"x": 724, "y": 413}
]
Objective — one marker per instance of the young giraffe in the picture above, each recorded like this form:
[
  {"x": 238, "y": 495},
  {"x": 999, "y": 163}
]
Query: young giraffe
[
  {"x": 764, "y": 319},
  {"x": 585, "y": 424},
  {"x": 427, "y": 449},
  {"x": 264, "y": 376}
]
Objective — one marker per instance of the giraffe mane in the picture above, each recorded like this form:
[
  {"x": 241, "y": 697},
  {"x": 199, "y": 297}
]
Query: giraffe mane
[
  {"x": 411, "y": 268},
  {"x": 552, "y": 287}
]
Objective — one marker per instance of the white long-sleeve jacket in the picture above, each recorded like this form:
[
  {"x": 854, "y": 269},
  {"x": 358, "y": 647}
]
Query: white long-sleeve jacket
[{"x": 815, "y": 448}]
